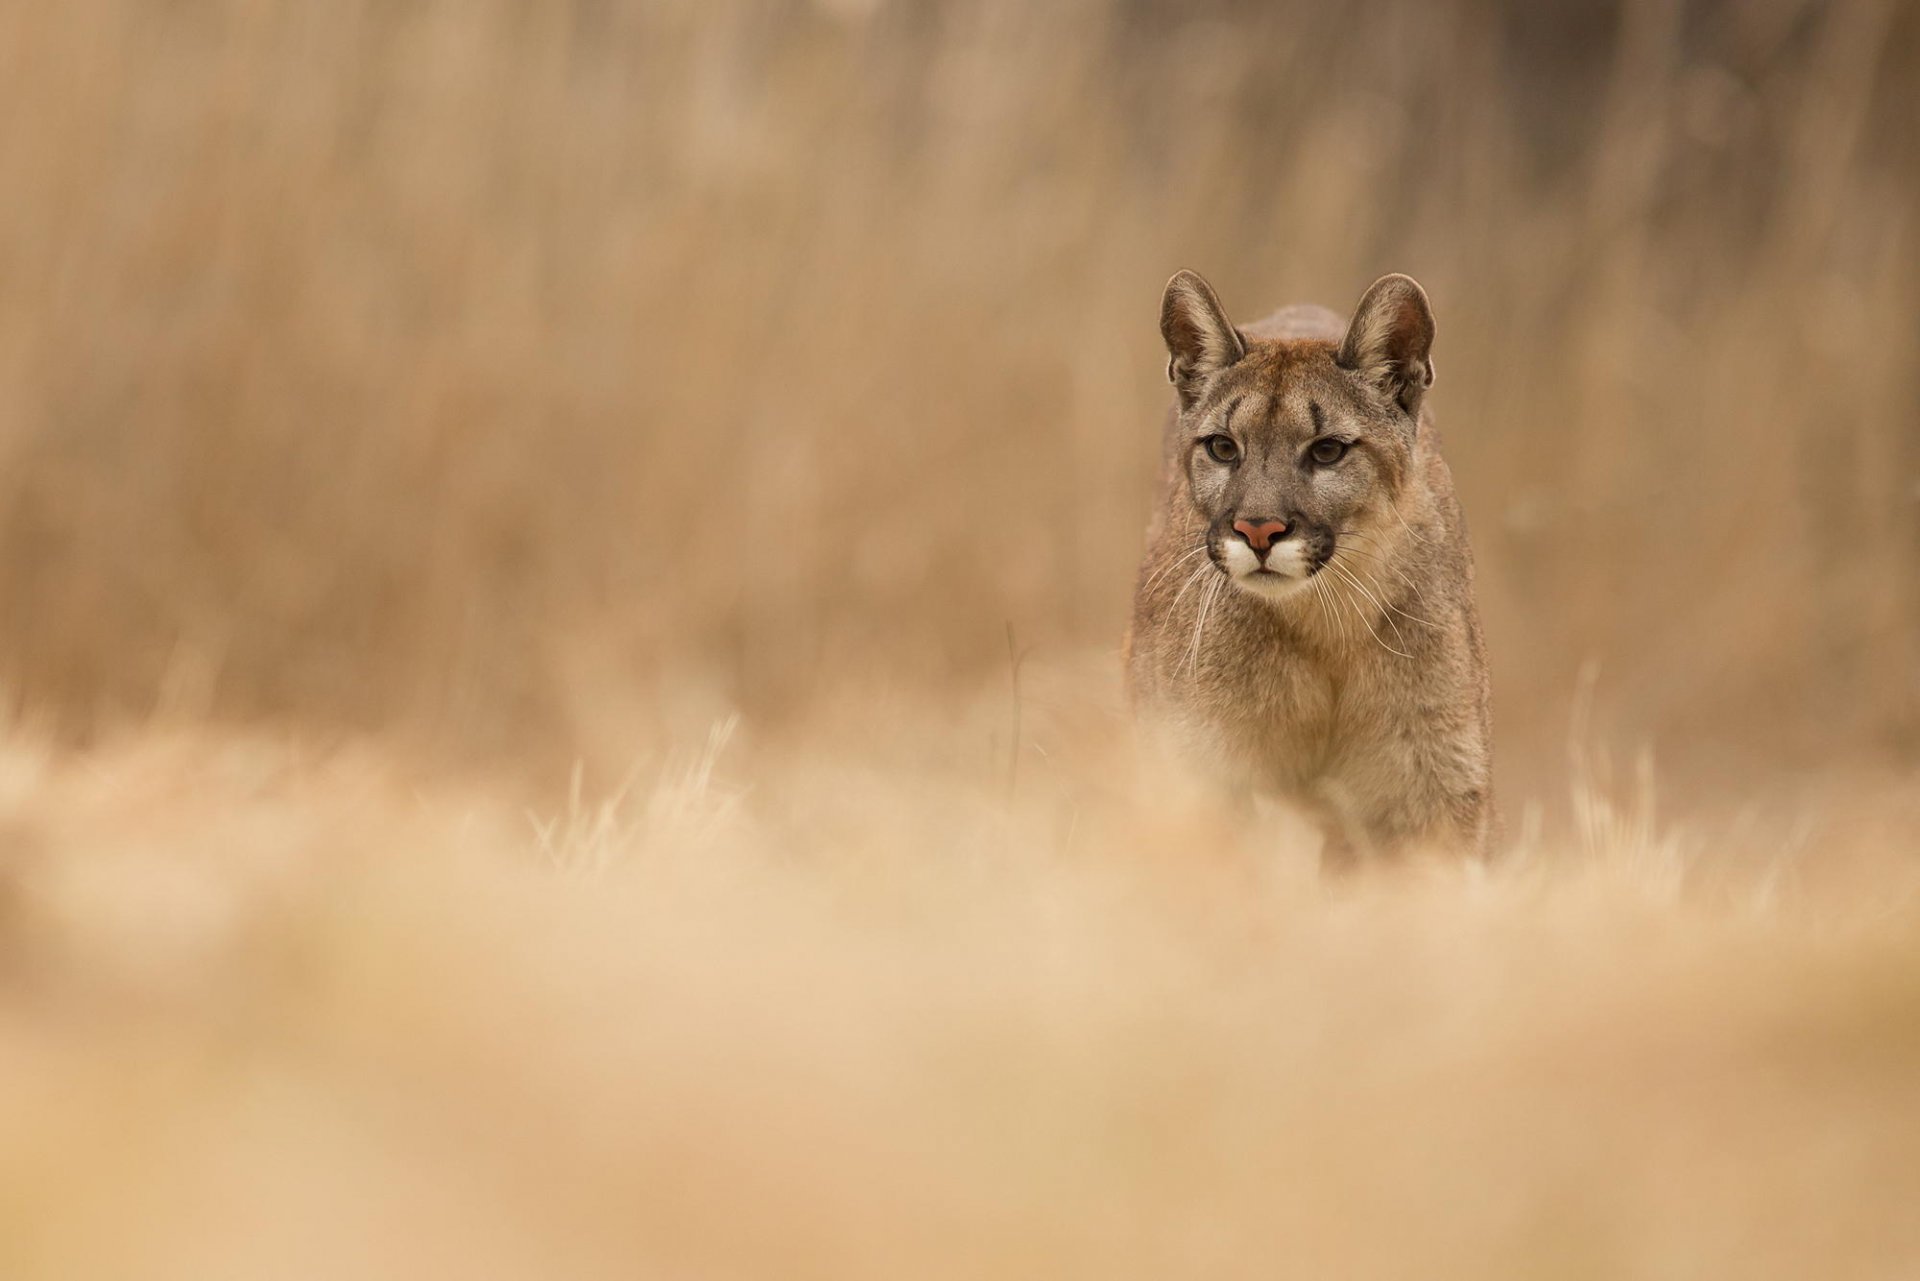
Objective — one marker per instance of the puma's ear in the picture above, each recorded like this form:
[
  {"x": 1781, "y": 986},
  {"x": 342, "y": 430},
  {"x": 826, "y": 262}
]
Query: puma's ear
[
  {"x": 1390, "y": 341},
  {"x": 1200, "y": 339}
]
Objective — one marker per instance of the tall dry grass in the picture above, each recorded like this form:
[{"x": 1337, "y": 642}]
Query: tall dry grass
[{"x": 562, "y": 565}]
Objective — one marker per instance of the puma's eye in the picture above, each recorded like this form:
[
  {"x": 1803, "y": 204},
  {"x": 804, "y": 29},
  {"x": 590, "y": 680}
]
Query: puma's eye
[
  {"x": 1327, "y": 452},
  {"x": 1222, "y": 449}
]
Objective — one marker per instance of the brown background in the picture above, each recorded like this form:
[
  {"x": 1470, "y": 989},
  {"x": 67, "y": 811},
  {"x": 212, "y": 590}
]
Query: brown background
[{"x": 544, "y": 380}]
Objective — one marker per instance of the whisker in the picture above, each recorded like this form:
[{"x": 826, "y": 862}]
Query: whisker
[
  {"x": 1364, "y": 619},
  {"x": 1355, "y": 579},
  {"x": 1341, "y": 591},
  {"x": 1380, "y": 560},
  {"x": 1395, "y": 509},
  {"x": 1192, "y": 578},
  {"x": 1335, "y": 594},
  {"x": 1200, "y": 624},
  {"x": 1199, "y": 617},
  {"x": 1412, "y": 587},
  {"x": 1161, "y": 572},
  {"x": 1326, "y": 605},
  {"x": 1384, "y": 603},
  {"x": 1414, "y": 618}
]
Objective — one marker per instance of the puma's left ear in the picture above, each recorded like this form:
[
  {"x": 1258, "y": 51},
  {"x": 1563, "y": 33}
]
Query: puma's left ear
[{"x": 1390, "y": 341}]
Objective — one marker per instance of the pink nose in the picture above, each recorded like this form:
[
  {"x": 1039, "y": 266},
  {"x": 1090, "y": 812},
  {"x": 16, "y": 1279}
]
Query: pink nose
[{"x": 1260, "y": 533}]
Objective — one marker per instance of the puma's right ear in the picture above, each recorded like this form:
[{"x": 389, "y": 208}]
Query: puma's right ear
[
  {"x": 1390, "y": 342},
  {"x": 1201, "y": 341}
]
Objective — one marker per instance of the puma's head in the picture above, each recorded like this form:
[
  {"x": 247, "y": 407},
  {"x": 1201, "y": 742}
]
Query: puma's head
[{"x": 1296, "y": 449}]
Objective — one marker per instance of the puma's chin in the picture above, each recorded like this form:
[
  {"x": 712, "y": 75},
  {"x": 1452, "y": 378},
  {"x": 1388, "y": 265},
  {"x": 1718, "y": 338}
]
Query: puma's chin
[{"x": 1272, "y": 584}]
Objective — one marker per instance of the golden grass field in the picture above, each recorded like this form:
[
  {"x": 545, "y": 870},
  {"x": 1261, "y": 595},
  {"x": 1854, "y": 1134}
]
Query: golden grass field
[{"x": 563, "y": 566}]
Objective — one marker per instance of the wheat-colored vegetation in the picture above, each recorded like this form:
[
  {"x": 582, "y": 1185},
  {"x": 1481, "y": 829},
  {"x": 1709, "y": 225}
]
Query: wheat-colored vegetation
[{"x": 562, "y": 567}]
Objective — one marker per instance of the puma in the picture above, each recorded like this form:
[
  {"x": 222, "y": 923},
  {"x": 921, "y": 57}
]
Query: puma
[{"x": 1304, "y": 625}]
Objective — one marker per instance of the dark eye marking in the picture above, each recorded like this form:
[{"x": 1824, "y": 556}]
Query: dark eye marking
[{"x": 1319, "y": 416}]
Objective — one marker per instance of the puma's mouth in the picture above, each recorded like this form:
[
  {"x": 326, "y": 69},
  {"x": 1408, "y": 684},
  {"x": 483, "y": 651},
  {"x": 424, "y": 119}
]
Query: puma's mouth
[
  {"x": 1268, "y": 571},
  {"x": 1272, "y": 581}
]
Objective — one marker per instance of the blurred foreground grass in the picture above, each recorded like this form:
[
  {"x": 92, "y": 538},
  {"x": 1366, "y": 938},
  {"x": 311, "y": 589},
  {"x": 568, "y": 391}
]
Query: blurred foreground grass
[{"x": 273, "y": 1014}]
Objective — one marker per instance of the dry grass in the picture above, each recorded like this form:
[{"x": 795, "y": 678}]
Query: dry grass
[
  {"x": 562, "y": 565},
  {"x": 278, "y": 1016}
]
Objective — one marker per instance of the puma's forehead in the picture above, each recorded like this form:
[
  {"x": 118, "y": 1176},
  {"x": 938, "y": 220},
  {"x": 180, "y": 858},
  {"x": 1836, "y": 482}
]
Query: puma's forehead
[{"x": 1279, "y": 375}]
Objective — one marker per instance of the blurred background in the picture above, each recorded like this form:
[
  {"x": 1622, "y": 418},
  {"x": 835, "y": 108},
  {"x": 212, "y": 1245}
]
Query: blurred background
[
  {"x": 542, "y": 381},
  {"x": 562, "y": 565}
]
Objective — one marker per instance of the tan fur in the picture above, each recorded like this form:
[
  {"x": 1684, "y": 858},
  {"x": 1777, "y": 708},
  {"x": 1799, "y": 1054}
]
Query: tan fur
[{"x": 1361, "y": 697}]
